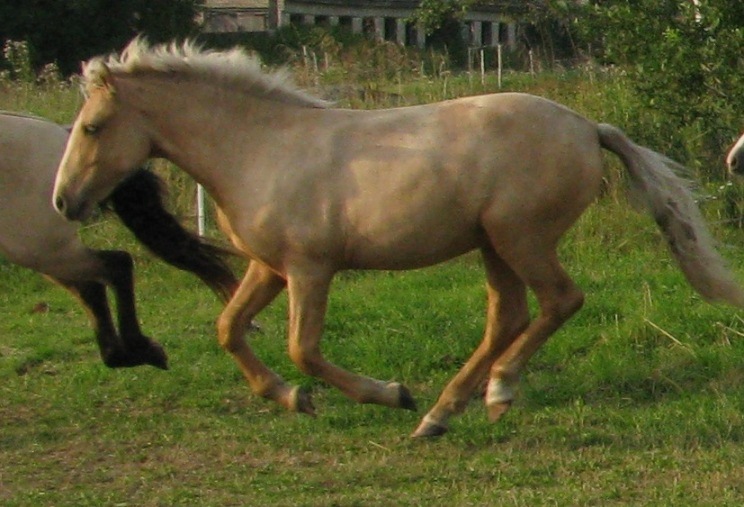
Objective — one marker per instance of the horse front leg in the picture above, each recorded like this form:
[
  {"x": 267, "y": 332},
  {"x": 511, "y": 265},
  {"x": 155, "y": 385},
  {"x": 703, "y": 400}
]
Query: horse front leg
[
  {"x": 140, "y": 349},
  {"x": 258, "y": 288},
  {"x": 308, "y": 297}
]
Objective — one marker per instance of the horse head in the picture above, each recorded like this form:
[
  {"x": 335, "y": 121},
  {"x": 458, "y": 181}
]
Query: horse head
[{"x": 105, "y": 146}]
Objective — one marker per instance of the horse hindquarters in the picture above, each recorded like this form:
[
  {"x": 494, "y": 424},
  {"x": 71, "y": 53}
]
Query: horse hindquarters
[{"x": 522, "y": 237}]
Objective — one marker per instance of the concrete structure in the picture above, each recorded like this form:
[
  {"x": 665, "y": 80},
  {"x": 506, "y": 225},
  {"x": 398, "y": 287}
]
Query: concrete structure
[
  {"x": 220, "y": 16},
  {"x": 389, "y": 20},
  {"x": 384, "y": 19}
]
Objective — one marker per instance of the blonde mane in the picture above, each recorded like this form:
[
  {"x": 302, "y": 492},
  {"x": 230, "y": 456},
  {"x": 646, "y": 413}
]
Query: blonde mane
[{"x": 233, "y": 69}]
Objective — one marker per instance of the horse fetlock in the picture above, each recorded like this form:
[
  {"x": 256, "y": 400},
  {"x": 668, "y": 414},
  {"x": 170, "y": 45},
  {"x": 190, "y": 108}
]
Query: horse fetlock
[
  {"x": 114, "y": 358},
  {"x": 293, "y": 398},
  {"x": 387, "y": 394},
  {"x": 496, "y": 410},
  {"x": 500, "y": 390},
  {"x": 144, "y": 350},
  {"x": 500, "y": 394},
  {"x": 154, "y": 355},
  {"x": 124, "y": 358}
]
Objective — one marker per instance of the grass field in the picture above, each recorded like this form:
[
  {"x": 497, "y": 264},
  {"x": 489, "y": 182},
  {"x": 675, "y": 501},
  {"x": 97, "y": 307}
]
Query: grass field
[{"x": 638, "y": 400}]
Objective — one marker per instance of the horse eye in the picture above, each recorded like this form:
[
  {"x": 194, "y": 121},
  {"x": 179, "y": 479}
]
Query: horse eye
[{"x": 91, "y": 129}]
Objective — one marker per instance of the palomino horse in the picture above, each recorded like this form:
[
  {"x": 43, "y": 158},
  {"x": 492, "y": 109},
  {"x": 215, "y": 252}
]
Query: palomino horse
[
  {"x": 307, "y": 190},
  {"x": 34, "y": 236},
  {"x": 735, "y": 157}
]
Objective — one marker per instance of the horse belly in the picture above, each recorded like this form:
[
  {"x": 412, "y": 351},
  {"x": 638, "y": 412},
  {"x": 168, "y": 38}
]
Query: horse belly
[{"x": 410, "y": 244}]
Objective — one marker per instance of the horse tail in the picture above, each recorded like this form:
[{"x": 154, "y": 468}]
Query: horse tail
[
  {"x": 673, "y": 207},
  {"x": 139, "y": 204}
]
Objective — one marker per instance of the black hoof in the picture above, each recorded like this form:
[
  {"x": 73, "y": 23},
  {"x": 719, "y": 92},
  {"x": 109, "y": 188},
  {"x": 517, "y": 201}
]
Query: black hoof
[
  {"x": 406, "y": 400},
  {"x": 154, "y": 355},
  {"x": 148, "y": 353}
]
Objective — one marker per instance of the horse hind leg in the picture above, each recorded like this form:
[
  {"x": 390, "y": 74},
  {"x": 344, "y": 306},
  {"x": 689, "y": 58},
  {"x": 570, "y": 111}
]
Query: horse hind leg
[
  {"x": 506, "y": 317},
  {"x": 92, "y": 295},
  {"x": 558, "y": 299},
  {"x": 139, "y": 349}
]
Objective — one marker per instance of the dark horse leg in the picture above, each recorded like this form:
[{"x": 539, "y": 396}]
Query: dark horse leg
[
  {"x": 129, "y": 347},
  {"x": 141, "y": 349},
  {"x": 138, "y": 203}
]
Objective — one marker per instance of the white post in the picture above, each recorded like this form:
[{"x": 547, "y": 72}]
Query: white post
[
  {"x": 498, "y": 55},
  {"x": 200, "y": 219}
]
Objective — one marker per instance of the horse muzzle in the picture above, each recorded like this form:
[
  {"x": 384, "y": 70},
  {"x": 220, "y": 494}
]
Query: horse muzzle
[
  {"x": 71, "y": 209},
  {"x": 735, "y": 158},
  {"x": 735, "y": 163}
]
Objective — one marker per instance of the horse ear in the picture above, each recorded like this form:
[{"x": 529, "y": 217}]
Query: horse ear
[
  {"x": 106, "y": 81},
  {"x": 101, "y": 76}
]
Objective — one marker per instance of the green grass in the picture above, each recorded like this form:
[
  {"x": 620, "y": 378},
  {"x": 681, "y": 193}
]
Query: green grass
[{"x": 636, "y": 401}]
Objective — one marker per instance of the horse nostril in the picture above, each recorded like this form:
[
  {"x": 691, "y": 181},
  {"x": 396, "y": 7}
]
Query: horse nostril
[
  {"x": 734, "y": 164},
  {"x": 59, "y": 204}
]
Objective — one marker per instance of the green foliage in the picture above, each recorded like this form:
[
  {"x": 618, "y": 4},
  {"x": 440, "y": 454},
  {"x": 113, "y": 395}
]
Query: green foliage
[
  {"x": 685, "y": 61},
  {"x": 18, "y": 57},
  {"x": 550, "y": 27},
  {"x": 435, "y": 14},
  {"x": 68, "y": 31}
]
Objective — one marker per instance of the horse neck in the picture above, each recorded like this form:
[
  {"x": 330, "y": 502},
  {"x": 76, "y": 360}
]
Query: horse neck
[{"x": 202, "y": 129}]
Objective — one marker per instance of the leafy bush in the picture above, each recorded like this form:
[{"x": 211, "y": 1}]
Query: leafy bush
[
  {"x": 685, "y": 63},
  {"x": 68, "y": 31}
]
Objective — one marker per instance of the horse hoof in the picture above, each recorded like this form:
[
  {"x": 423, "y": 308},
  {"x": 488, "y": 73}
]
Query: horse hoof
[
  {"x": 301, "y": 401},
  {"x": 496, "y": 410},
  {"x": 405, "y": 399},
  {"x": 158, "y": 359},
  {"x": 429, "y": 429},
  {"x": 151, "y": 353}
]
